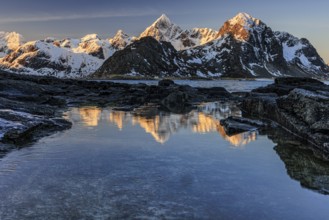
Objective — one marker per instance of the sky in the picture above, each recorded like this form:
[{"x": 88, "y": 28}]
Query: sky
[{"x": 37, "y": 19}]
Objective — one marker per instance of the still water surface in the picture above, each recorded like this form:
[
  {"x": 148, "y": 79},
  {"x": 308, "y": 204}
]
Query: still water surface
[
  {"x": 230, "y": 85},
  {"x": 150, "y": 164}
]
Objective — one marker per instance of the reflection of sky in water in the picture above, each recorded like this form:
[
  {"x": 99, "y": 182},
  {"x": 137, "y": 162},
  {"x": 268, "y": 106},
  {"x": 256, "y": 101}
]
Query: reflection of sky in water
[
  {"x": 161, "y": 125},
  {"x": 155, "y": 165}
]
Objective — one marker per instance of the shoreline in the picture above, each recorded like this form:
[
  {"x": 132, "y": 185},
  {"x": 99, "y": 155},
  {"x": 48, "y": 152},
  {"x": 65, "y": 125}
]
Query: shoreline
[{"x": 38, "y": 104}]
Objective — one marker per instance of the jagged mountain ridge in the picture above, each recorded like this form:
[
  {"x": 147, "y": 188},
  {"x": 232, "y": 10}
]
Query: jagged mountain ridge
[
  {"x": 71, "y": 58},
  {"x": 243, "y": 47},
  {"x": 164, "y": 30},
  {"x": 80, "y": 57},
  {"x": 247, "y": 47}
]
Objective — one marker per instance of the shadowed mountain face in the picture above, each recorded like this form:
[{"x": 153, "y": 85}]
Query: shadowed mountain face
[{"x": 146, "y": 57}]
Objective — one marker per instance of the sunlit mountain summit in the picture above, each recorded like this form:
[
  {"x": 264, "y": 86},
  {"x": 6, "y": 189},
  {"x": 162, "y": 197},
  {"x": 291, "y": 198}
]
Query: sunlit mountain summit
[{"x": 244, "y": 47}]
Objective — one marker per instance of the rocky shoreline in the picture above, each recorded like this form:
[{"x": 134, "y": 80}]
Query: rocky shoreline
[
  {"x": 300, "y": 105},
  {"x": 32, "y": 107}
]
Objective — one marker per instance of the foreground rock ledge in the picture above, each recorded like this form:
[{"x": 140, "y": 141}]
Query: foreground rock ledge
[{"x": 301, "y": 105}]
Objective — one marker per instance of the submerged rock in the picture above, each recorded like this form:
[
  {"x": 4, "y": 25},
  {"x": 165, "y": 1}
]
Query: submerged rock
[{"x": 303, "y": 166}]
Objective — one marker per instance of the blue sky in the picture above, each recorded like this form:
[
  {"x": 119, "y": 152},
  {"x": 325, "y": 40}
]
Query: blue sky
[{"x": 74, "y": 18}]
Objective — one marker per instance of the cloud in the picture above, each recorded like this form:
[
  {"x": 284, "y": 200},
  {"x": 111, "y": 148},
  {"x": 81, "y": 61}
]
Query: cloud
[{"x": 44, "y": 18}]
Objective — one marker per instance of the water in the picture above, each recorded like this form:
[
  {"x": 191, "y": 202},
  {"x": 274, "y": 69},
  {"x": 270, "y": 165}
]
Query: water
[
  {"x": 150, "y": 164},
  {"x": 230, "y": 85}
]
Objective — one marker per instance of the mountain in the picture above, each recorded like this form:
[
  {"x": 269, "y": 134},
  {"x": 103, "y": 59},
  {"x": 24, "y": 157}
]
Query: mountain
[
  {"x": 244, "y": 47},
  {"x": 247, "y": 47},
  {"x": 164, "y": 30},
  {"x": 9, "y": 41},
  {"x": 90, "y": 44},
  {"x": 72, "y": 58},
  {"x": 146, "y": 57},
  {"x": 121, "y": 40},
  {"x": 301, "y": 55},
  {"x": 44, "y": 58}
]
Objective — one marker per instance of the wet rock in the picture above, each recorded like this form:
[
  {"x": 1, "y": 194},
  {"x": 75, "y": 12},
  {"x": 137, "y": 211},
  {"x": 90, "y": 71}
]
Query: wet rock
[
  {"x": 237, "y": 125},
  {"x": 176, "y": 102},
  {"x": 298, "y": 104},
  {"x": 283, "y": 86}
]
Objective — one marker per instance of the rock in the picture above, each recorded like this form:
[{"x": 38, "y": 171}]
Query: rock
[
  {"x": 284, "y": 85},
  {"x": 176, "y": 102},
  {"x": 233, "y": 128},
  {"x": 166, "y": 82},
  {"x": 237, "y": 125},
  {"x": 298, "y": 104}
]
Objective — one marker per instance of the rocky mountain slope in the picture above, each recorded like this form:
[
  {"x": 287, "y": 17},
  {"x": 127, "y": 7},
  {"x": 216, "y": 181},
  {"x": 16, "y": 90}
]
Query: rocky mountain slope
[
  {"x": 72, "y": 58},
  {"x": 247, "y": 47},
  {"x": 244, "y": 47},
  {"x": 146, "y": 57}
]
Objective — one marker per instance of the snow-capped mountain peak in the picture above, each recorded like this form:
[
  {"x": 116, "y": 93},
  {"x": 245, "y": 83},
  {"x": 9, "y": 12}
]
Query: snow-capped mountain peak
[
  {"x": 244, "y": 20},
  {"x": 162, "y": 22},
  {"x": 90, "y": 37},
  {"x": 162, "y": 30},
  {"x": 120, "y": 40},
  {"x": 241, "y": 26},
  {"x": 243, "y": 47},
  {"x": 9, "y": 41}
]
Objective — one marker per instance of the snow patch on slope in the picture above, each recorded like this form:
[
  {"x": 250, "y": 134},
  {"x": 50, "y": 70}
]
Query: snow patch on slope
[{"x": 53, "y": 60}]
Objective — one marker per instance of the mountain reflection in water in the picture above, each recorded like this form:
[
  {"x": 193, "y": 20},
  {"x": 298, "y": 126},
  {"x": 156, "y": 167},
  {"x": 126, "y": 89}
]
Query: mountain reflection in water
[{"x": 162, "y": 125}]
